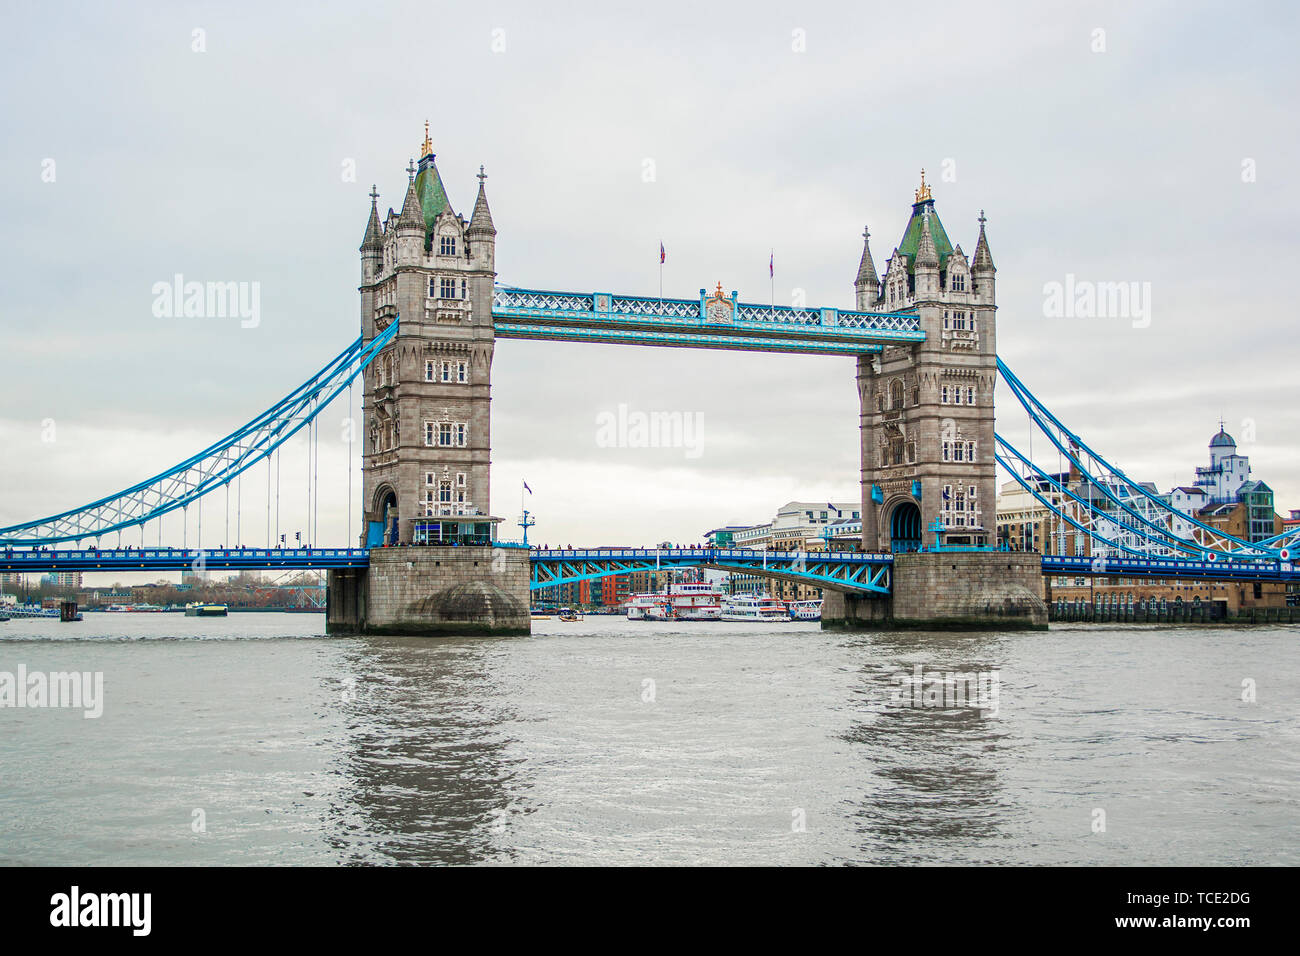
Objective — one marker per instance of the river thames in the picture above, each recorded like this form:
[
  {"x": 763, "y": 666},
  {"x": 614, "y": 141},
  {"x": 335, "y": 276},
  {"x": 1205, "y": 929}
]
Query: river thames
[{"x": 254, "y": 739}]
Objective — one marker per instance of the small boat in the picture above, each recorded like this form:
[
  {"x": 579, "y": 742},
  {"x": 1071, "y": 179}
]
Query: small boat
[
  {"x": 569, "y": 614},
  {"x": 649, "y": 607},
  {"x": 754, "y": 607},
  {"x": 195, "y": 609},
  {"x": 805, "y": 610}
]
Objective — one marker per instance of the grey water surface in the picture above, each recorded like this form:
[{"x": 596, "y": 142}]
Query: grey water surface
[{"x": 255, "y": 739}]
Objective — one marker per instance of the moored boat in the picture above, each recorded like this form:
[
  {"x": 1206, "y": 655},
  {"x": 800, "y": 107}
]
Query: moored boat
[
  {"x": 197, "y": 609},
  {"x": 679, "y": 602},
  {"x": 649, "y": 607},
  {"x": 805, "y": 610},
  {"x": 754, "y": 607}
]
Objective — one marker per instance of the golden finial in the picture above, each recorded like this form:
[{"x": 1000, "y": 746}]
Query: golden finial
[
  {"x": 427, "y": 148},
  {"x": 923, "y": 193},
  {"x": 718, "y": 293}
]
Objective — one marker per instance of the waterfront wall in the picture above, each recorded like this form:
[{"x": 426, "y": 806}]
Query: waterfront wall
[
  {"x": 429, "y": 591},
  {"x": 1168, "y": 612}
]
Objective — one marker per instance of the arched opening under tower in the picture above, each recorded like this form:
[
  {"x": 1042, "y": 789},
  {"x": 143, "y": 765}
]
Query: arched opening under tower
[
  {"x": 905, "y": 527},
  {"x": 383, "y": 530}
]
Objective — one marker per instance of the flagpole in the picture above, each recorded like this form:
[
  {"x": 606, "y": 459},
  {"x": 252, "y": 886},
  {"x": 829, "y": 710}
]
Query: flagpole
[
  {"x": 661, "y": 273},
  {"x": 771, "y": 273}
]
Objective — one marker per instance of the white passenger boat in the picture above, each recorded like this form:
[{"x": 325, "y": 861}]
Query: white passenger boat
[
  {"x": 805, "y": 610},
  {"x": 695, "y": 602},
  {"x": 680, "y": 602},
  {"x": 648, "y": 607},
  {"x": 754, "y": 607}
]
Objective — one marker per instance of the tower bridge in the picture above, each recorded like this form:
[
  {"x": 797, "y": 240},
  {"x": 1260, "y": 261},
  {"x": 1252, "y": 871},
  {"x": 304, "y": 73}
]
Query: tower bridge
[{"x": 430, "y": 560}]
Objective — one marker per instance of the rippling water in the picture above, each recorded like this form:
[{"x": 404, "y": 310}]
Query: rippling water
[{"x": 605, "y": 741}]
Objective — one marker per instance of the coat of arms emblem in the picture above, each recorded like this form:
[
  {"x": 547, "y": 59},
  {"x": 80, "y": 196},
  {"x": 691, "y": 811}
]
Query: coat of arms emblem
[{"x": 719, "y": 307}]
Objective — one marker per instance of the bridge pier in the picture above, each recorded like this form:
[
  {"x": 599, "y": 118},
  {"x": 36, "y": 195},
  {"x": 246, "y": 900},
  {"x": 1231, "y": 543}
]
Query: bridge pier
[
  {"x": 989, "y": 590},
  {"x": 855, "y": 611},
  {"x": 433, "y": 591}
]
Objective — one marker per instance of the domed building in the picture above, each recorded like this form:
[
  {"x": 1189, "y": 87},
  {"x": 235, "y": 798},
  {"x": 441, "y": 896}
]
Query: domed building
[{"x": 1227, "y": 471}]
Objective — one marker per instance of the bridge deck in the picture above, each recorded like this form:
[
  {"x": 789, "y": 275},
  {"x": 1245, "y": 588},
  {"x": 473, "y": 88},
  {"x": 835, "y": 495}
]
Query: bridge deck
[
  {"x": 1134, "y": 567},
  {"x": 851, "y": 570},
  {"x": 183, "y": 559}
]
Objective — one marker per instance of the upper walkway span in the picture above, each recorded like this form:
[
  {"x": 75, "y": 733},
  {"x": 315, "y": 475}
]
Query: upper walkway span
[{"x": 711, "y": 321}]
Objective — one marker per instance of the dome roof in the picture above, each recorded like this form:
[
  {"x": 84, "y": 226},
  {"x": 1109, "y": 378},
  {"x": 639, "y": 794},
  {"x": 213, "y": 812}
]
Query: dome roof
[{"x": 1222, "y": 440}]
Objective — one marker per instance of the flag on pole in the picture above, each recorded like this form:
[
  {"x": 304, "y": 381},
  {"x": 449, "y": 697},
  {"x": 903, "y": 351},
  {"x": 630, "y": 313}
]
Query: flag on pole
[
  {"x": 771, "y": 265},
  {"x": 527, "y": 489},
  {"x": 662, "y": 254}
]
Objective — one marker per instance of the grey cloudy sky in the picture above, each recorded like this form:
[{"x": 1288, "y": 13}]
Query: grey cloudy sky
[{"x": 229, "y": 164}]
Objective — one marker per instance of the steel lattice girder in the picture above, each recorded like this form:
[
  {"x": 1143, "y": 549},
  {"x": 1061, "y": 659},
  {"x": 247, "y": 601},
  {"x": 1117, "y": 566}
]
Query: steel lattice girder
[{"x": 844, "y": 571}]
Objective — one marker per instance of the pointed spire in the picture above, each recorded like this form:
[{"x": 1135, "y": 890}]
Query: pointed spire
[
  {"x": 480, "y": 220},
  {"x": 867, "y": 268},
  {"x": 983, "y": 261},
  {"x": 373, "y": 236},
  {"x": 927, "y": 256},
  {"x": 412, "y": 215}
]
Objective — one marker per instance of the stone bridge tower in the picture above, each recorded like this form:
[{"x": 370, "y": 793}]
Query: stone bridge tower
[
  {"x": 927, "y": 444},
  {"x": 434, "y": 566},
  {"x": 426, "y": 443},
  {"x": 927, "y": 408}
]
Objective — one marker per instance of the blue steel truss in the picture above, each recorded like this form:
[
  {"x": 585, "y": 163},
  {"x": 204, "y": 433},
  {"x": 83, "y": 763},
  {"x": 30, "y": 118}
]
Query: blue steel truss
[
  {"x": 209, "y": 469},
  {"x": 639, "y": 320},
  {"x": 851, "y": 571}
]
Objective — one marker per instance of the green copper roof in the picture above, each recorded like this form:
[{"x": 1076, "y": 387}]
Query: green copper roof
[
  {"x": 912, "y": 236},
  {"x": 433, "y": 197}
]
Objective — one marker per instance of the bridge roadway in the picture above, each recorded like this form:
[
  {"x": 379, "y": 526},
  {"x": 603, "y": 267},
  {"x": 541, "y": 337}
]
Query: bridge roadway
[
  {"x": 852, "y": 571},
  {"x": 1236, "y": 569},
  {"x": 183, "y": 559},
  {"x": 846, "y": 570}
]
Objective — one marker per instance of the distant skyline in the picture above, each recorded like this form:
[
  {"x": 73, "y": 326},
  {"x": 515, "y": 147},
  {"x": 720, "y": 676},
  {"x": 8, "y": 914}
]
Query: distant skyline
[{"x": 240, "y": 145}]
